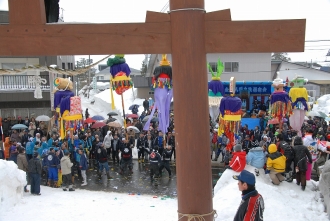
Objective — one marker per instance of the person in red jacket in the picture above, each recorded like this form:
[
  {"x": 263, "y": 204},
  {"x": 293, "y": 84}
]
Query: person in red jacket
[{"x": 238, "y": 160}]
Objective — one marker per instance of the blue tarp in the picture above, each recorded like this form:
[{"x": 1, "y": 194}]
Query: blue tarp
[{"x": 251, "y": 122}]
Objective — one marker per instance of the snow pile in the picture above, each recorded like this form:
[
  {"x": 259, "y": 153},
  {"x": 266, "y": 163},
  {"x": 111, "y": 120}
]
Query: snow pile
[
  {"x": 12, "y": 182},
  {"x": 322, "y": 105},
  {"x": 100, "y": 104},
  {"x": 55, "y": 204},
  {"x": 286, "y": 201}
]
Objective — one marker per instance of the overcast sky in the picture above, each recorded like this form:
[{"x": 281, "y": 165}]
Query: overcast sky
[{"x": 316, "y": 12}]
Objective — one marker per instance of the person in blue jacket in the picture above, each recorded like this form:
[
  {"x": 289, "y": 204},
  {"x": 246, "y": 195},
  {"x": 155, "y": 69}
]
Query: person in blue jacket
[
  {"x": 256, "y": 156},
  {"x": 83, "y": 166},
  {"x": 53, "y": 165},
  {"x": 29, "y": 149},
  {"x": 43, "y": 146},
  {"x": 53, "y": 141}
]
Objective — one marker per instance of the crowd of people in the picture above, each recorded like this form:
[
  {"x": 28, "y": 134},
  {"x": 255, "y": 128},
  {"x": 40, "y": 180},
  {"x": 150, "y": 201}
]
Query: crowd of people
[
  {"x": 280, "y": 152},
  {"x": 62, "y": 160}
]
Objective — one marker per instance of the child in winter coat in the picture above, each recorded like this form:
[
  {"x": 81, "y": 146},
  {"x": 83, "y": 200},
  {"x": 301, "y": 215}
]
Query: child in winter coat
[
  {"x": 256, "y": 157},
  {"x": 66, "y": 171},
  {"x": 238, "y": 161},
  {"x": 276, "y": 163},
  {"x": 83, "y": 166}
]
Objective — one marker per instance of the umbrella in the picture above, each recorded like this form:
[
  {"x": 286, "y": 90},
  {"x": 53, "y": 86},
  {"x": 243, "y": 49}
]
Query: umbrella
[
  {"x": 89, "y": 120},
  {"x": 110, "y": 120},
  {"x": 98, "y": 117},
  {"x": 43, "y": 118},
  {"x": 132, "y": 106},
  {"x": 146, "y": 118},
  {"x": 19, "y": 126},
  {"x": 154, "y": 119},
  {"x": 323, "y": 115},
  {"x": 136, "y": 130},
  {"x": 112, "y": 114},
  {"x": 114, "y": 124},
  {"x": 132, "y": 116},
  {"x": 98, "y": 124}
]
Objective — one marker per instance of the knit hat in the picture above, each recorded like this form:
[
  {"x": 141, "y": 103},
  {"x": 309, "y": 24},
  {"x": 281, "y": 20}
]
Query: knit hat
[
  {"x": 67, "y": 153},
  {"x": 35, "y": 154},
  {"x": 237, "y": 148}
]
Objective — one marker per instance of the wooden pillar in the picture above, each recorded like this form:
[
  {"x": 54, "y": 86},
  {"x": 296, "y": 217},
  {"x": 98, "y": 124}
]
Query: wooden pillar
[
  {"x": 194, "y": 182},
  {"x": 35, "y": 9}
]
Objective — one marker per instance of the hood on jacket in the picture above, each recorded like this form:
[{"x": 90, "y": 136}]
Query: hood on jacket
[
  {"x": 272, "y": 148},
  {"x": 64, "y": 158},
  {"x": 257, "y": 149},
  {"x": 108, "y": 133}
]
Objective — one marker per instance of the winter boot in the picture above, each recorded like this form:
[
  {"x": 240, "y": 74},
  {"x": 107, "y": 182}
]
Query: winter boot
[
  {"x": 156, "y": 181},
  {"x": 142, "y": 160},
  {"x": 108, "y": 175},
  {"x": 71, "y": 189},
  {"x": 139, "y": 160},
  {"x": 64, "y": 189},
  {"x": 55, "y": 184},
  {"x": 50, "y": 183},
  {"x": 99, "y": 174},
  {"x": 303, "y": 188}
]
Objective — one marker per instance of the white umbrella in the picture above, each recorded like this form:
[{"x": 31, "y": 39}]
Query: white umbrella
[
  {"x": 136, "y": 130},
  {"x": 43, "y": 118}
]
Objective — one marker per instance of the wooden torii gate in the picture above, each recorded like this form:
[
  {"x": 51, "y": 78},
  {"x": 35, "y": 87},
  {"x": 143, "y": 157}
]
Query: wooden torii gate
[{"x": 188, "y": 33}]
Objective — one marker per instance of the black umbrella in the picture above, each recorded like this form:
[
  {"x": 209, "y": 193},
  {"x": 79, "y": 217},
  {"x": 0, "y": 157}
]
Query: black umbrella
[
  {"x": 111, "y": 120},
  {"x": 112, "y": 113},
  {"x": 132, "y": 106}
]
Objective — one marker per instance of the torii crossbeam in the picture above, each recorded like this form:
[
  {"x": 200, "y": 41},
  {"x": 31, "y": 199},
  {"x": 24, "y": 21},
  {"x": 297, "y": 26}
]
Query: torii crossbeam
[{"x": 188, "y": 33}]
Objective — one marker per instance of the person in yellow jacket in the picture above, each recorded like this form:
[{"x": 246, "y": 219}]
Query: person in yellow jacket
[{"x": 275, "y": 164}]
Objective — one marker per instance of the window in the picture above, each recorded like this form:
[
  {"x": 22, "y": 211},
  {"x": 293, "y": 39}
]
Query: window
[
  {"x": 213, "y": 66},
  {"x": 231, "y": 67},
  {"x": 151, "y": 92},
  {"x": 13, "y": 65},
  {"x": 100, "y": 77},
  {"x": 63, "y": 65},
  {"x": 70, "y": 66}
]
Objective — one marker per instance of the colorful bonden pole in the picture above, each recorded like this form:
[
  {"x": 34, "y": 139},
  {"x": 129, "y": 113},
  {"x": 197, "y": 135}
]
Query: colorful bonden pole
[{"x": 120, "y": 79}]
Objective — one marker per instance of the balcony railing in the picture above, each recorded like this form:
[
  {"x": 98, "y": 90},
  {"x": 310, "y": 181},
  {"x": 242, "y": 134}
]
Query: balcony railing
[{"x": 21, "y": 82}]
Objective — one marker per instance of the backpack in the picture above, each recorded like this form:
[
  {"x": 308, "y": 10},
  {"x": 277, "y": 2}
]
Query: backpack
[
  {"x": 152, "y": 156},
  {"x": 287, "y": 150},
  {"x": 126, "y": 154}
]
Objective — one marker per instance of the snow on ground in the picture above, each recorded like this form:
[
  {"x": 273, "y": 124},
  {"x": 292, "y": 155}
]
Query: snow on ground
[{"x": 286, "y": 201}]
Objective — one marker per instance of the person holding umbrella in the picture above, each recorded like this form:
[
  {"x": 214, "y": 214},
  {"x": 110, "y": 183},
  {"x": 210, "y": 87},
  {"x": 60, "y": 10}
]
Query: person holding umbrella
[{"x": 15, "y": 136}]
